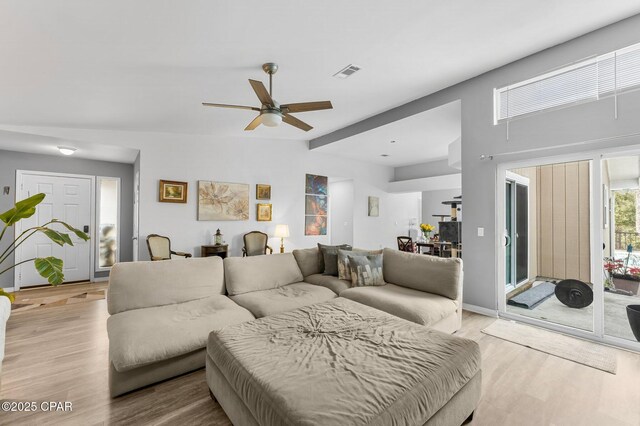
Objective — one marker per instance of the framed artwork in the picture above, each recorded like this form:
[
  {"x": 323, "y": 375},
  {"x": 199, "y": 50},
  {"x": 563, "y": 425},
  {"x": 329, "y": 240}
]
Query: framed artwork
[
  {"x": 263, "y": 191},
  {"x": 172, "y": 191},
  {"x": 223, "y": 201},
  {"x": 315, "y": 205},
  {"x": 264, "y": 212},
  {"x": 315, "y": 225},
  {"x": 374, "y": 206},
  {"x": 316, "y": 185}
]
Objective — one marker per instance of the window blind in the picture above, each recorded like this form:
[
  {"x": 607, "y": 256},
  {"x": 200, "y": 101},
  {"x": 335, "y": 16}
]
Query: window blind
[{"x": 586, "y": 81}]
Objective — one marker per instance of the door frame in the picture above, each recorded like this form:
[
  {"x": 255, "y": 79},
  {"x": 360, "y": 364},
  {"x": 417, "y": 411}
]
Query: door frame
[
  {"x": 519, "y": 180},
  {"x": 595, "y": 224},
  {"x": 17, "y": 229}
]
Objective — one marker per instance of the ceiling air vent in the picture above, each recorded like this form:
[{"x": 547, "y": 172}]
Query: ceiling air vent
[{"x": 347, "y": 71}]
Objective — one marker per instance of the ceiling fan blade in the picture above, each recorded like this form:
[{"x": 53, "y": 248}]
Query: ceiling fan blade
[
  {"x": 230, "y": 106},
  {"x": 290, "y": 119},
  {"x": 307, "y": 106},
  {"x": 262, "y": 93},
  {"x": 255, "y": 123}
]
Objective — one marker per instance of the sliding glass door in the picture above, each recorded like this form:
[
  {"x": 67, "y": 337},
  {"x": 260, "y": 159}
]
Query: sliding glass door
[{"x": 516, "y": 230}]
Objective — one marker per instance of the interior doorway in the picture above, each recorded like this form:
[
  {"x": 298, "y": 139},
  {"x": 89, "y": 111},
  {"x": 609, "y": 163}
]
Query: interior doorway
[{"x": 68, "y": 198}]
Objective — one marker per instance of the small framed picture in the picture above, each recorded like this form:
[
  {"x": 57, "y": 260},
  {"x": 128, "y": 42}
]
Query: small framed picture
[
  {"x": 374, "y": 206},
  {"x": 173, "y": 192},
  {"x": 263, "y": 191},
  {"x": 264, "y": 212}
]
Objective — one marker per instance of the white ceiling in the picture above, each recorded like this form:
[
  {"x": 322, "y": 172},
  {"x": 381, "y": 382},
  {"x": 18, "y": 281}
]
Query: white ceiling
[
  {"x": 419, "y": 138},
  {"x": 146, "y": 65}
]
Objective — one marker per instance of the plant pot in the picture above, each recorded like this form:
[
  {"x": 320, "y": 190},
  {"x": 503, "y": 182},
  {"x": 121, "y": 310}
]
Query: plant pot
[
  {"x": 633, "y": 313},
  {"x": 626, "y": 284}
]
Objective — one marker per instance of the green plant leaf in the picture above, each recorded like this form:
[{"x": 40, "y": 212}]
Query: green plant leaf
[
  {"x": 22, "y": 209},
  {"x": 78, "y": 232},
  {"x": 50, "y": 268},
  {"x": 59, "y": 238},
  {"x": 11, "y": 296}
]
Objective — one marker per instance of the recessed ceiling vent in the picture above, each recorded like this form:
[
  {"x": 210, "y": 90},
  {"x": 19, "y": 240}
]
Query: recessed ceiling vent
[{"x": 347, "y": 71}]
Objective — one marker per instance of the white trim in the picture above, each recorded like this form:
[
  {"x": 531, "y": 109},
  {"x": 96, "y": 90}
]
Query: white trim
[
  {"x": 8, "y": 289},
  {"x": 92, "y": 214},
  {"x": 480, "y": 310},
  {"x": 96, "y": 228},
  {"x": 101, "y": 279}
]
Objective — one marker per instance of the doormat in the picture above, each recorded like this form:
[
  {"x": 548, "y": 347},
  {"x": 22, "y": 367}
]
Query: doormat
[
  {"x": 531, "y": 298},
  {"x": 581, "y": 351}
]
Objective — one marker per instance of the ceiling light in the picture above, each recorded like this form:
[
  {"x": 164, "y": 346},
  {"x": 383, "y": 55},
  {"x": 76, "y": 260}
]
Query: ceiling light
[
  {"x": 392, "y": 142},
  {"x": 384, "y": 155},
  {"x": 66, "y": 150},
  {"x": 271, "y": 119}
]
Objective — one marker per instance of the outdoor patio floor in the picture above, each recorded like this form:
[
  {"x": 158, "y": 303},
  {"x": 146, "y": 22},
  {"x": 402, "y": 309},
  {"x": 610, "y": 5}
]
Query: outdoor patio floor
[{"x": 615, "y": 311}]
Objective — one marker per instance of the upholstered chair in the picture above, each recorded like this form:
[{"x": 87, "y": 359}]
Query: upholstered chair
[
  {"x": 255, "y": 244},
  {"x": 160, "y": 248}
]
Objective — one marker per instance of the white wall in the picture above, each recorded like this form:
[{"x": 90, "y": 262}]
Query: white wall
[
  {"x": 399, "y": 209},
  {"x": 341, "y": 198},
  {"x": 432, "y": 204}
]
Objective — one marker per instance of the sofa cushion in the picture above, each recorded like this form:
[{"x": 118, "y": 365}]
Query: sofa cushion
[
  {"x": 282, "y": 299},
  {"x": 330, "y": 256},
  {"x": 309, "y": 260},
  {"x": 413, "y": 305},
  {"x": 134, "y": 285},
  {"x": 144, "y": 336},
  {"x": 334, "y": 284},
  {"x": 430, "y": 274},
  {"x": 344, "y": 272},
  {"x": 254, "y": 273},
  {"x": 366, "y": 270}
]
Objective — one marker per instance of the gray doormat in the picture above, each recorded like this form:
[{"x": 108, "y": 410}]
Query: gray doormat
[
  {"x": 534, "y": 296},
  {"x": 556, "y": 344}
]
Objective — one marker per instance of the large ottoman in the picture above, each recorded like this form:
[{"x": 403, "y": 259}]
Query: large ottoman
[{"x": 342, "y": 363}]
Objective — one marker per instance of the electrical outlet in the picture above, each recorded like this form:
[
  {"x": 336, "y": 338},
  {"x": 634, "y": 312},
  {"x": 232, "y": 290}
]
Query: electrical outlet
[{"x": 480, "y": 232}]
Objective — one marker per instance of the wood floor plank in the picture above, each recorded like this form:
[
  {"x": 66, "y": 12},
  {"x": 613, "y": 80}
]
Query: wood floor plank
[{"x": 61, "y": 354}]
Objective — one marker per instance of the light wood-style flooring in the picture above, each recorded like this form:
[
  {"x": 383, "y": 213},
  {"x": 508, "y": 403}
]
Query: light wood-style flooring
[{"x": 61, "y": 354}]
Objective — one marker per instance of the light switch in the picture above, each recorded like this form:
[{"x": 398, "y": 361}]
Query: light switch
[{"x": 480, "y": 232}]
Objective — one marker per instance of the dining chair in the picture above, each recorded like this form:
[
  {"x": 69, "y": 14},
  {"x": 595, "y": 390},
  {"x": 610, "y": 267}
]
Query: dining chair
[
  {"x": 160, "y": 248},
  {"x": 405, "y": 244},
  {"x": 255, "y": 244}
]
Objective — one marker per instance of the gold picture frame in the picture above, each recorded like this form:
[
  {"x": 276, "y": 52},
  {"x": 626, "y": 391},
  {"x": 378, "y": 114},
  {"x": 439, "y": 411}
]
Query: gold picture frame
[
  {"x": 264, "y": 212},
  {"x": 263, "y": 191},
  {"x": 172, "y": 191}
]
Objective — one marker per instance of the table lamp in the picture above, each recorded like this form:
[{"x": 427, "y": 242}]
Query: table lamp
[{"x": 282, "y": 232}]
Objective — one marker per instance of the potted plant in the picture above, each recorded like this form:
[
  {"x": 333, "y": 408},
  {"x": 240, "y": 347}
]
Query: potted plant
[
  {"x": 621, "y": 275},
  {"x": 48, "y": 267}
]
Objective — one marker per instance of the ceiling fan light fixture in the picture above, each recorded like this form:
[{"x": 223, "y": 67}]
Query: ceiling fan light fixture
[
  {"x": 66, "y": 150},
  {"x": 271, "y": 119}
]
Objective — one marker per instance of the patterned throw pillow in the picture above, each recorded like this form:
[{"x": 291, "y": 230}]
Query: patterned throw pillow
[
  {"x": 366, "y": 270},
  {"x": 330, "y": 255},
  {"x": 344, "y": 272}
]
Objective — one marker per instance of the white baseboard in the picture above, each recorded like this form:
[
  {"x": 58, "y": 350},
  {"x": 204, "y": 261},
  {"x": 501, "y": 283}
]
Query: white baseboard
[
  {"x": 100, "y": 279},
  {"x": 8, "y": 289},
  {"x": 480, "y": 310}
]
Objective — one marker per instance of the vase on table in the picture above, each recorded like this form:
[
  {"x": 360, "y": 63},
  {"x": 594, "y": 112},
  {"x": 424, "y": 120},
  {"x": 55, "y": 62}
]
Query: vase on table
[{"x": 427, "y": 235}]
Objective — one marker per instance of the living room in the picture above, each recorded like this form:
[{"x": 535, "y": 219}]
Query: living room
[{"x": 414, "y": 120}]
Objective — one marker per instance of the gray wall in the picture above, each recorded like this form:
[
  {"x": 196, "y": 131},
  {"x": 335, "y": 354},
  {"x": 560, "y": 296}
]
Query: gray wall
[
  {"x": 11, "y": 161},
  {"x": 422, "y": 170},
  {"x": 538, "y": 134}
]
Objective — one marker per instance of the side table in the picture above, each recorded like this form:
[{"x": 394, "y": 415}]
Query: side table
[{"x": 214, "y": 250}]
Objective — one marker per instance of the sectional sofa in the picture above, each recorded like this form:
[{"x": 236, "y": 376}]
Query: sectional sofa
[{"x": 162, "y": 313}]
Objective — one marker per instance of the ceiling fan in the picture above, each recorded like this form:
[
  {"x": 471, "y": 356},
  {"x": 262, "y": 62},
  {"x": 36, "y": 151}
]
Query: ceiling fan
[{"x": 271, "y": 112}]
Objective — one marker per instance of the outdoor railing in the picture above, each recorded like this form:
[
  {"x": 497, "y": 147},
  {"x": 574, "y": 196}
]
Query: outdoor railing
[{"x": 623, "y": 239}]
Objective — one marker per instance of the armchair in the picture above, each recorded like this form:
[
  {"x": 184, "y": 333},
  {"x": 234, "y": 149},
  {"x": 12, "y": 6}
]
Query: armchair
[
  {"x": 255, "y": 244},
  {"x": 160, "y": 248}
]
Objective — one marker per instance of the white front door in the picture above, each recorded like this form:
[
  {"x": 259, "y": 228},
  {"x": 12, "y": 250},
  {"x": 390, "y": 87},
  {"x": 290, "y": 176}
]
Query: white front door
[{"x": 67, "y": 199}]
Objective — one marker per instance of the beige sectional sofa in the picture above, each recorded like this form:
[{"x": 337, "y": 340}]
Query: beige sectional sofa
[{"x": 162, "y": 312}]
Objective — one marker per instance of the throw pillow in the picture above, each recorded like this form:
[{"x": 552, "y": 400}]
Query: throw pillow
[
  {"x": 330, "y": 256},
  {"x": 366, "y": 270},
  {"x": 344, "y": 272}
]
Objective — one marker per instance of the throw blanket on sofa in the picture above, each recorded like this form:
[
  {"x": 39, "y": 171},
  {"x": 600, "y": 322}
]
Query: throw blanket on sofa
[{"x": 339, "y": 363}]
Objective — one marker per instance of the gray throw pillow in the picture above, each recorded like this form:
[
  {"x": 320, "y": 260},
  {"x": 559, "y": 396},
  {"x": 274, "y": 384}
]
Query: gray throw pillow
[
  {"x": 366, "y": 270},
  {"x": 330, "y": 256},
  {"x": 344, "y": 272}
]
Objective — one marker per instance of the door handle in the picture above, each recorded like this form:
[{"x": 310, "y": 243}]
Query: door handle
[
  {"x": 134, "y": 238},
  {"x": 507, "y": 240}
]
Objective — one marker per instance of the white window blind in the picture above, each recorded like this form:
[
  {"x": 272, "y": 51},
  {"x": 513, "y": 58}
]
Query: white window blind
[{"x": 585, "y": 81}]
